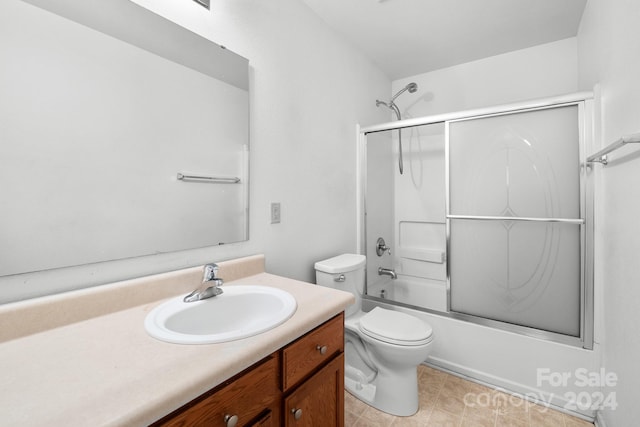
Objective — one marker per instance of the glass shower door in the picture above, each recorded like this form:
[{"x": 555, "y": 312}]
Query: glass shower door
[{"x": 515, "y": 218}]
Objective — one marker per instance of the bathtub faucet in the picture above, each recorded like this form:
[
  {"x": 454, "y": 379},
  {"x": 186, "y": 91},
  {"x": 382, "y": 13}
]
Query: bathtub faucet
[{"x": 387, "y": 272}]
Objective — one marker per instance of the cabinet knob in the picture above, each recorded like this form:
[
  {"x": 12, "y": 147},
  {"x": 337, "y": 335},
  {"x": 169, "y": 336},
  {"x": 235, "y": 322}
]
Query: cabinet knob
[
  {"x": 230, "y": 420},
  {"x": 322, "y": 349},
  {"x": 297, "y": 413}
]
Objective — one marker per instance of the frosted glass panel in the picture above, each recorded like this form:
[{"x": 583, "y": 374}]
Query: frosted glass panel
[
  {"x": 517, "y": 272},
  {"x": 524, "y": 164},
  {"x": 520, "y": 165},
  {"x": 381, "y": 164}
]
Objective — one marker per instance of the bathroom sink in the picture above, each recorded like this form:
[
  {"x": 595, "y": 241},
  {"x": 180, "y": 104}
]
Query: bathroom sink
[{"x": 241, "y": 311}]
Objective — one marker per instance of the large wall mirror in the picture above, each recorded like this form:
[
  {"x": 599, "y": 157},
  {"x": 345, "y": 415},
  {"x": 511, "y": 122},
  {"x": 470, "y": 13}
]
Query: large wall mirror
[{"x": 102, "y": 105}]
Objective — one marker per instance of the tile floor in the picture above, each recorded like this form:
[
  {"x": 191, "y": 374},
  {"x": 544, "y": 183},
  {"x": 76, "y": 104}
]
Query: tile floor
[{"x": 442, "y": 404}]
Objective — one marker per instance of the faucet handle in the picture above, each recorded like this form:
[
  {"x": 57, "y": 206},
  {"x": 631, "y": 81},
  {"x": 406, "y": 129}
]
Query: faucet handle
[
  {"x": 381, "y": 247},
  {"x": 210, "y": 272}
]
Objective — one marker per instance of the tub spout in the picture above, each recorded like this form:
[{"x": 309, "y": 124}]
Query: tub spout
[{"x": 387, "y": 272}]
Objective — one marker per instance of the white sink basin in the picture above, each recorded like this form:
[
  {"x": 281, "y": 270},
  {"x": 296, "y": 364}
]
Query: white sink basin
[{"x": 241, "y": 311}]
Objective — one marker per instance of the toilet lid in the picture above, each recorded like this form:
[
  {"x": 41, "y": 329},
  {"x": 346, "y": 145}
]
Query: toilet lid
[{"x": 395, "y": 327}]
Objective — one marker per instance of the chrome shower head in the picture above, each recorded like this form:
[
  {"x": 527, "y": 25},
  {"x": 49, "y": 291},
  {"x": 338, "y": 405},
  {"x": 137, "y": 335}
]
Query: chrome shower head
[{"x": 411, "y": 87}]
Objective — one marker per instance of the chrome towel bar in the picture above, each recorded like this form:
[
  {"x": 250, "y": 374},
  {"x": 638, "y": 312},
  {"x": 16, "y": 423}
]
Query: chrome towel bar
[
  {"x": 601, "y": 156},
  {"x": 213, "y": 179}
]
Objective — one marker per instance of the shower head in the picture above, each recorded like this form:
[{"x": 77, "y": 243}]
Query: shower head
[{"x": 411, "y": 87}]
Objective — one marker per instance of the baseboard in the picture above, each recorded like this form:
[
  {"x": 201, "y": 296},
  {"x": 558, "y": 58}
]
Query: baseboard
[
  {"x": 534, "y": 395},
  {"x": 599, "y": 421}
]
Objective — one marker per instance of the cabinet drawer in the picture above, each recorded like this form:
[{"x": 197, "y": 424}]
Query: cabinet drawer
[
  {"x": 305, "y": 355},
  {"x": 246, "y": 397},
  {"x": 267, "y": 420}
]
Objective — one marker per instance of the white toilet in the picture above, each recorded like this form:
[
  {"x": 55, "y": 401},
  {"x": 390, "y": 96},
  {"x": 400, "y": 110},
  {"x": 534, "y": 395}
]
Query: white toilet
[{"x": 383, "y": 348}]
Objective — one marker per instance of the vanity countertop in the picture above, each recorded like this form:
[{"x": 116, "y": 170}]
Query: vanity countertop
[{"x": 107, "y": 371}]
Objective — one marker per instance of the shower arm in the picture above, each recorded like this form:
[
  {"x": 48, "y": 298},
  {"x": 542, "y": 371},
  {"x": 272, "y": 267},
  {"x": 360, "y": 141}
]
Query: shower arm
[{"x": 400, "y": 92}]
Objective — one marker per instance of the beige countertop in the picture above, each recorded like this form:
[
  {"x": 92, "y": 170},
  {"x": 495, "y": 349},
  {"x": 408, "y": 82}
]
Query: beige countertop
[{"x": 107, "y": 371}]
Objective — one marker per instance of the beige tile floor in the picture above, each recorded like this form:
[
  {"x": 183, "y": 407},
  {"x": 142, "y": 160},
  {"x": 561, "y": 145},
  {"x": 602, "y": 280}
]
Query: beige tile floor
[{"x": 442, "y": 404}]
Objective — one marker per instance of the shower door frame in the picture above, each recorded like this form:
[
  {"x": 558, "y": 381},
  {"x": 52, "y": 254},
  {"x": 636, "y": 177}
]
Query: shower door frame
[
  {"x": 585, "y": 337},
  {"x": 584, "y": 102}
]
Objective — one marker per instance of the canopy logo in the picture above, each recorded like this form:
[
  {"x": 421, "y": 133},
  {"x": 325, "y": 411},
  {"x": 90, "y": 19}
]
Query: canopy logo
[
  {"x": 593, "y": 395},
  {"x": 593, "y": 399}
]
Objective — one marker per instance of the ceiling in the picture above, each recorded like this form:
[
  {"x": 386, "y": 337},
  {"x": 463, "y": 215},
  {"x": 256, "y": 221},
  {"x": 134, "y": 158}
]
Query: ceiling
[{"x": 409, "y": 37}]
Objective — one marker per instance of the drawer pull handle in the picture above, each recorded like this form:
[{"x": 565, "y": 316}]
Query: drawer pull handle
[
  {"x": 297, "y": 413},
  {"x": 230, "y": 420},
  {"x": 322, "y": 349}
]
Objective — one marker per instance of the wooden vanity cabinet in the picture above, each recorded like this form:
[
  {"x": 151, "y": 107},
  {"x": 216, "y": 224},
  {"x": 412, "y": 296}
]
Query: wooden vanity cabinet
[
  {"x": 300, "y": 385},
  {"x": 313, "y": 377}
]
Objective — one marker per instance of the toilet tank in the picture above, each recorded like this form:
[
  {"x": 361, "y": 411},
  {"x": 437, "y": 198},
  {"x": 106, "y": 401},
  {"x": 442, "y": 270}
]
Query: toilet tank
[{"x": 344, "y": 272}]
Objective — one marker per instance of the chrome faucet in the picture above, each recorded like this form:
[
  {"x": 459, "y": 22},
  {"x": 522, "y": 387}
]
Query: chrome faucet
[
  {"x": 387, "y": 272},
  {"x": 210, "y": 286}
]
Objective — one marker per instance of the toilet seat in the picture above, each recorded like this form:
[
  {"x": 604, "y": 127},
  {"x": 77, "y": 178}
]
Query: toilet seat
[{"x": 395, "y": 327}]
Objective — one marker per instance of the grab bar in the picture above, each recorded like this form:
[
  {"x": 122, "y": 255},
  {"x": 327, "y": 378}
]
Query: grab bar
[
  {"x": 601, "y": 156},
  {"x": 517, "y": 218},
  {"x": 214, "y": 179}
]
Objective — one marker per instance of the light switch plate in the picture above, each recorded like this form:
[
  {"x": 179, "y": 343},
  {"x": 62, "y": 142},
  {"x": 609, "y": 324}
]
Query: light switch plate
[{"x": 275, "y": 212}]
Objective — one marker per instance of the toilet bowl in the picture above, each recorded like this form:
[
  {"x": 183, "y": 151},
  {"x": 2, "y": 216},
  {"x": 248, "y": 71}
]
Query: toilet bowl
[{"x": 382, "y": 347}]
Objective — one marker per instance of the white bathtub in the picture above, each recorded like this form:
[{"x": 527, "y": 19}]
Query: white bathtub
[
  {"x": 492, "y": 356},
  {"x": 424, "y": 293}
]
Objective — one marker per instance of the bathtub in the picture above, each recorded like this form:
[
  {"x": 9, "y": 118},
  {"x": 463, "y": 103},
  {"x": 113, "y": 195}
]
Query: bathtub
[
  {"x": 416, "y": 291},
  {"x": 497, "y": 358}
]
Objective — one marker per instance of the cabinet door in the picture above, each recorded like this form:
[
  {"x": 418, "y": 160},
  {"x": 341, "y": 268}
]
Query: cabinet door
[{"x": 318, "y": 402}]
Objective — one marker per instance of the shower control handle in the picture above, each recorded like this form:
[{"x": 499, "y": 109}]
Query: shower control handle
[{"x": 381, "y": 247}]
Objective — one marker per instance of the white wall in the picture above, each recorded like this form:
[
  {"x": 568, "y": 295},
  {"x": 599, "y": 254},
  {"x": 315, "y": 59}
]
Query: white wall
[
  {"x": 609, "y": 55},
  {"x": 537, "y": 72},
  {"x": 309, "y": 89}
]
